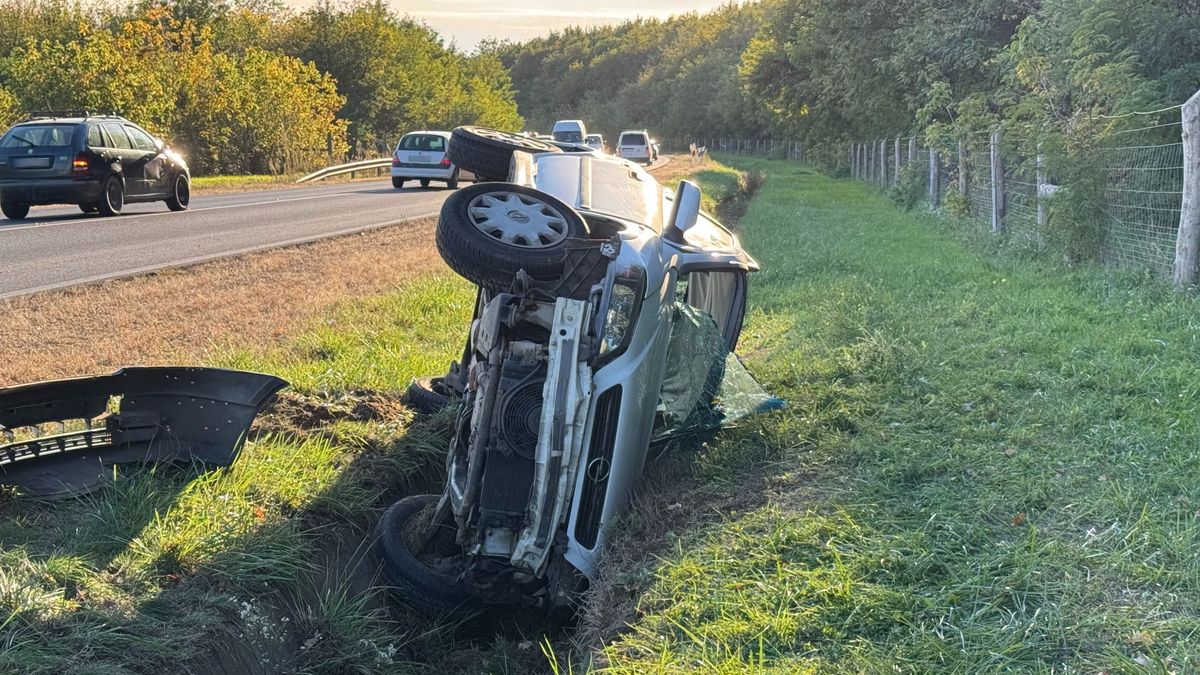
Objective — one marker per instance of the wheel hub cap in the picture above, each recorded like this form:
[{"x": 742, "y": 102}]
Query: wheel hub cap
[{"x": 518, "y": 219}]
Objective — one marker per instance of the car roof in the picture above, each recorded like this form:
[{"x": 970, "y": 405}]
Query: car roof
[
  {"x": 443, "y": 134},
  {"x": 71, "y": 120}
]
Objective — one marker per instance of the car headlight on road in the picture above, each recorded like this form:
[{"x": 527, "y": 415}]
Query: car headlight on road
[{"x": 624, "y": 301}]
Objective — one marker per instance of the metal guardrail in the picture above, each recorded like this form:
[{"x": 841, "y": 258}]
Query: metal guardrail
[{"x": 361, "y": 165}]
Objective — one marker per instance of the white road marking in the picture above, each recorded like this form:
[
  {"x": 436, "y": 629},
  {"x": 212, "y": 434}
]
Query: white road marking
[
  {"x": 211, "y": 256},
  {"x": 132, "y": 216}
]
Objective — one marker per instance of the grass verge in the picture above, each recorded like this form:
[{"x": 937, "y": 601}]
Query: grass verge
[{"x": 986, "y": 464}]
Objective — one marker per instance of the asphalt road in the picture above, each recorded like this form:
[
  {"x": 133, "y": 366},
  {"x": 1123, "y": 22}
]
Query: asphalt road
[{"x": 58, "y": 246}]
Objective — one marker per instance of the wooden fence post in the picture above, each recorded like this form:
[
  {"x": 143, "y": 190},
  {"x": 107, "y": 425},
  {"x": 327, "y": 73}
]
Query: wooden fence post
[
  {"x": 883, "y": 174},
  {"x": 997, "y": 185},
  {"x": 912, "y": 148},
  {"x": 896, "y": 157},
  {"x": 1187, "y": 241},
  {"x": 870, "y": 161},
  {"x": 934, "y": 184},
  {"x": 963, "y": 186},
  {"x": 1041, "y": 182}
]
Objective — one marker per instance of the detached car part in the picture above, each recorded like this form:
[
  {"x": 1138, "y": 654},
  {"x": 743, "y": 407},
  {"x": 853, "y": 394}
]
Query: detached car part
[
  {"x": 64, "y": 436},
  {"x": 607, "y": 314}
]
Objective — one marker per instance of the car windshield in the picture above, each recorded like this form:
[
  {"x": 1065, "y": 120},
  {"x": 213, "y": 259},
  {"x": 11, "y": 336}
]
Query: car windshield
[
  {"x": 568, "y": 137},
  {"x": 38, "y": 136},
  {"x": 422, "y": 143},
  {"x": 593, "y": 138},
  {"x": 633, "y": 139}
]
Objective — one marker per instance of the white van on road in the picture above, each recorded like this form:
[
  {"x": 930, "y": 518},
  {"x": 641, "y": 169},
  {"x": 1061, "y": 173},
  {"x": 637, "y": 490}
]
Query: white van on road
[
  {"x": 569, "y": 131},
  {"x": 636, "y": 146}
]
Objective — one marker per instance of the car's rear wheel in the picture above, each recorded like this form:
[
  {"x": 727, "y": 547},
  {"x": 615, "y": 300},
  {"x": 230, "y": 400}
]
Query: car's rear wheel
[
  {"x": 487, "y": 153},
  {"x": 419, "y": 557},
  {"x": 453, "y": 182},
  {"x": 14, "y": 210},
  {"x": 490, "y": 231},
  {"x": 89, "y": 208},
  {"x": 181, "y": 193},
  {"x": 424, "y": 182},
  {"x": 397, "y": 183},
  {"x": 112, "y": 200}
]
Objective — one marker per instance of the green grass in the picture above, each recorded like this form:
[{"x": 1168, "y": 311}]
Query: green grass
[
  {"x": 236, "y": 182},
  {"x": 259, "y": 561},
  {"x": 987, "y": 463}
]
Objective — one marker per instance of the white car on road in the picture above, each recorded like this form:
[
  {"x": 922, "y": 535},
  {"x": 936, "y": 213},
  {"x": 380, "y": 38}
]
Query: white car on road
[
  {"x": 636, "y": 146},
  {"x": 596, "y": 142},
  {"x": 421, "y": 156}
]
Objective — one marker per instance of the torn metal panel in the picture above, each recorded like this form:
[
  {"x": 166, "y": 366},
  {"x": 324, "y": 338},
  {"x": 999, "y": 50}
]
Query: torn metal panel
[{"x": 135, "y": 415}]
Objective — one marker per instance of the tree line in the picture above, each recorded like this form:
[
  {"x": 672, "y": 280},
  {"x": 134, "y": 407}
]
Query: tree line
[
  {"x": 247, "y": 86},
  {"x": 834, "y": 71}
]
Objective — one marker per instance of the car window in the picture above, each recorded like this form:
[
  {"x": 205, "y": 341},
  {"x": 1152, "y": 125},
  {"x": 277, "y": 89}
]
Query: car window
[
  {"x": 39, "y": 136},
  {"x": 568, "y": 137},
  {"x": 116, "y": 134},
  {"x": 95, "y": 138},
  {"x": 422, "y": 143},
  {"x": 632, "y": 139},
  {"x": 141, "y": 140}
]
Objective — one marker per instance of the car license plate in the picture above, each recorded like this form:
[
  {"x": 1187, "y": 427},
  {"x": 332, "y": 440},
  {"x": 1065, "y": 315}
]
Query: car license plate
[
  {"x": 31, "y": 162},
  {"x": 419, "y": 159}
]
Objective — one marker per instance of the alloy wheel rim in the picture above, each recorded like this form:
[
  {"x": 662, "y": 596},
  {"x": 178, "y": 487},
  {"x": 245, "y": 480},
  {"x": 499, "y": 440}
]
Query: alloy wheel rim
[{"x": 517, "y": 220}]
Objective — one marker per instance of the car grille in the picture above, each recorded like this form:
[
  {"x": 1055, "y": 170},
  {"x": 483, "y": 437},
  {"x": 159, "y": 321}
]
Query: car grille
[{"x": 597, "y": 468}]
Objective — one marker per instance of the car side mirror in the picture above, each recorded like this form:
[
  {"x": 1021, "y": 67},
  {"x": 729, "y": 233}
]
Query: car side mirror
[{"x": 685, "y": 211}]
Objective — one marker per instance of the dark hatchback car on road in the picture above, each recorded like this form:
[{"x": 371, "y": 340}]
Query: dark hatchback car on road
[{"x": 100, "y": 162}]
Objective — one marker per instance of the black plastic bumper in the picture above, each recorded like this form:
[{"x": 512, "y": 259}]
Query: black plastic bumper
[{"x": 135, "y": 415}]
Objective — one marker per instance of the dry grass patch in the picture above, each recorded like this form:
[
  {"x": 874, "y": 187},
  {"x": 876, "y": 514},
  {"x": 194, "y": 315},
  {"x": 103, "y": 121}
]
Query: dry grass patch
[{"x": 179, "y": 315}]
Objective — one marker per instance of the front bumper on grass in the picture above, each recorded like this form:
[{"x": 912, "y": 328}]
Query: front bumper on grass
[{"x": 135, "y": 415}]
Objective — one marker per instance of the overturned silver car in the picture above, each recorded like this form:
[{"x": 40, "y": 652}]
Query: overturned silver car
[{"x": 607, "y": 314}]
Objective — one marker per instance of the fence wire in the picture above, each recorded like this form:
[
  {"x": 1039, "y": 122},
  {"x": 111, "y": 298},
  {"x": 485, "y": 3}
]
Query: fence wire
[{"x": 1143, "y": 193}]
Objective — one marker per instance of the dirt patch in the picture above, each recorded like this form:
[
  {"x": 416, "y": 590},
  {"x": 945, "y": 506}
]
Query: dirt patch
[{"x": 177, "y": 315}]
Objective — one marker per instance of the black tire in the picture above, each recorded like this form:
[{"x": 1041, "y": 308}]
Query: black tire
[
  {"x": 453, "y": 182},
  {"x": 425, "y": 589},
  {"x": 89, "y": 208},
  {"x": 424, "y": 182},
  {"x": 484, "y": 257},
  {"x": 112, "y": 197},
  {"x": 181, "y": 193},
  {"x": 427, "y": 395},
  {"x": 487, "y": 153},
  {"x": 397, "y": 183},
  {"x": 14, "y": 210}
]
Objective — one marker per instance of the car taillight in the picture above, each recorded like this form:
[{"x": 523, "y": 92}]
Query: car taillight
[
  {"x": 446, "y": 161},
  {"x": 395, "y": 161},
  {"x": 80, "y": 168}
]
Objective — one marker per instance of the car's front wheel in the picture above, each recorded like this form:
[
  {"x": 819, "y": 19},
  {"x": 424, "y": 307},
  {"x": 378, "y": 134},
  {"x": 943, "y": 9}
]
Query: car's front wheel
[
  {"x": 397, "y": 183},
  {"x": 420, "y": 557},
  {"x": 113, "y": 198},
  {"x": 14, "y": 210},
  {"x": 488, "y": 232},
  {"x": 181, "y": 193}
]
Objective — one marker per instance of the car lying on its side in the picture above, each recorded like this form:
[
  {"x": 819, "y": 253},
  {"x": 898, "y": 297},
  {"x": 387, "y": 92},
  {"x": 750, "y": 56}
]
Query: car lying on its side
[
  {"x": 421, "y": 156},
  {"x": 608, "y": 308},
  {"x": 99, "y": 162},
  {"x": 636, "y": 146}
]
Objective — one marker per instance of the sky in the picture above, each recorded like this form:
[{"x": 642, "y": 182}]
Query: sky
[{"x": 466, "y": 22}]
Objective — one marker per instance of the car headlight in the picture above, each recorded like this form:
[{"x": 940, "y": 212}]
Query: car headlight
[{"x": 624, "y": 300}]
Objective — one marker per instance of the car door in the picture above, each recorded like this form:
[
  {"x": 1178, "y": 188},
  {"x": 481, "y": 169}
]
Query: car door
[
  {"x": 154, "y": 164},
  {"x": 121, "y": 150}
]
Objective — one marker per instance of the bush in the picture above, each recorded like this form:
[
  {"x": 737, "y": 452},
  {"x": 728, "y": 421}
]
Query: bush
[{"x": 910, "y": 189}]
